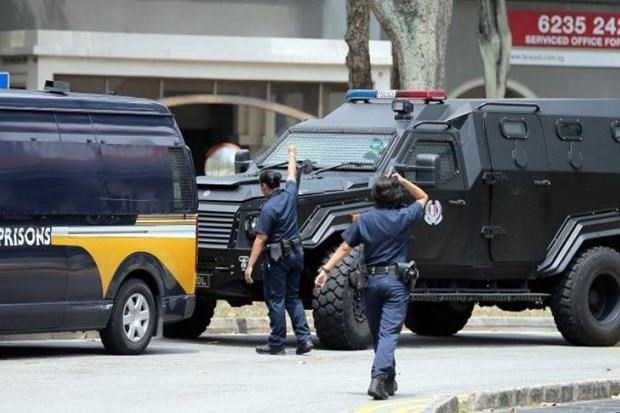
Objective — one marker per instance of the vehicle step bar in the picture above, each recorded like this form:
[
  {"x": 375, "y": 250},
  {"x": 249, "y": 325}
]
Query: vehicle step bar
[{"x": 538, "y": 298}]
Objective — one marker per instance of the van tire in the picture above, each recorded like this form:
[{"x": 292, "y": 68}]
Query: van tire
[
  {"x": 438, "y": 319},
  {"x": 194, "y": 326},
  {"x": 338, "y": 308},
  {"x": 115, "y": 336},
  {"x": 586, "y": 301}
]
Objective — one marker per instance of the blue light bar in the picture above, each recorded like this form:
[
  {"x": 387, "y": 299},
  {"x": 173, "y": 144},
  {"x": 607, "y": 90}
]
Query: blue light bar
[{"x": 360, "y": 94}]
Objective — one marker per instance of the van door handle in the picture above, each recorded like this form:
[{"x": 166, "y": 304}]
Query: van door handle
[
  {"x": 457, "y": 202},
  {"x": 542, "y": 182}
]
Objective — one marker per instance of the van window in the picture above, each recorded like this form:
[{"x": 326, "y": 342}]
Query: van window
[
  {"x": 75, "y": 127},
  {"x": 137, "y": 129},
  {"x": 23, "y": 125}
]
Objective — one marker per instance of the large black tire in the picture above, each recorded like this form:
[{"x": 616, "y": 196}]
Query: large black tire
[
  {"x": 586, "y": 300},
  {"x": 194, "y": 326},
  {"x": 338, "y": 309},
  {"x": 133, "y": 334},
  {"x": 438, "y": 319}
]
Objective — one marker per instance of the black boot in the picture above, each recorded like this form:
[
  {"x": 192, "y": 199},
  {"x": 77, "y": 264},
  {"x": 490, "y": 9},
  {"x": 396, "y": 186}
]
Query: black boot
[
  {"x": 267, "y": 349},
  {"x": 391, "y": 386},
  {"x": 377, "y": 388},
  {"x": 305, "y": 347}
]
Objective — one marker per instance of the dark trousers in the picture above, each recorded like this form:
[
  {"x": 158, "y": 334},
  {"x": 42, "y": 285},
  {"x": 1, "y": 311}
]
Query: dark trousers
[
  {"x": 281, "y": 288},
  {"x": 387, "y": 298}
]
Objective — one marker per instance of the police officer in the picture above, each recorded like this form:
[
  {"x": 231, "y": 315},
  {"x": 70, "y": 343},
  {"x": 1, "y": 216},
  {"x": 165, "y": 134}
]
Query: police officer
[
  {"x": 383, "y": 230},
  {"x": 278, "y": 235}
]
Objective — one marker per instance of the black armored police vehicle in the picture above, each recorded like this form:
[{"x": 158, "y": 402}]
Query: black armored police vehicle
[
  {"x": 97, "y": 216},
  {"x": 524, "y": 211}
]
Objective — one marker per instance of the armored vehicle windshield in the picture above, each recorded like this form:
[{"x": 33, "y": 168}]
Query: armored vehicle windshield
[{"x": 359, "y": 150}]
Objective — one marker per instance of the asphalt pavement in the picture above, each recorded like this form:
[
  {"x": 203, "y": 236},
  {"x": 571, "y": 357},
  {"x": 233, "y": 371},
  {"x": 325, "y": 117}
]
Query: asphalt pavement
[{"x": 222, "y": 373}]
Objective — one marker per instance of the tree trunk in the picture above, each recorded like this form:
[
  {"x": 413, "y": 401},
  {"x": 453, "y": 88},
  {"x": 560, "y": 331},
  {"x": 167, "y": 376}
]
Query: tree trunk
[
  {"x": 419, "y": 31},
  {"x": 358, "y": 57},
  {"x": 395, "y": 80},
  {"x": 495, "y": 43}
]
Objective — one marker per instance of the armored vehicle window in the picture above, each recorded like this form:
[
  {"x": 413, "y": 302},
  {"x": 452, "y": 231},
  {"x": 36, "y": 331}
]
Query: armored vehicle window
[
  {"x": 329, "y": 148},
  {"x": 569, "y": 131},
  {"x": 182, "y": 180},
  {"x": 615, "y": 130},
  {"x": 447, "y": 156},
  {"x": 514, "y": 129},
  {"x": 28, "y": 126}
]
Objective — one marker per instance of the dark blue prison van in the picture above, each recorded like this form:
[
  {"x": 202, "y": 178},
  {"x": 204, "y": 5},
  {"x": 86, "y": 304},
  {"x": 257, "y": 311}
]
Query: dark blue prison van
[{"x": 98, "y": 211}]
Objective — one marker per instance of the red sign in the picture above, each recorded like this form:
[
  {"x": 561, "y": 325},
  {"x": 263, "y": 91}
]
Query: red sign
[{"x": 537, "y": 28}]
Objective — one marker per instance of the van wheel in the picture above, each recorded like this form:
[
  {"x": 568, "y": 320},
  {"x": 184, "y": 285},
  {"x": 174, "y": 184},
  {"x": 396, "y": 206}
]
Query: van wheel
[
  {"x": 438, "y": 319},
  {"x": 133, "y": 320},
  {"x": 338, "y": 308},
  {"x": 586, "y": 301},
  {"x": 194, "y": 326}
]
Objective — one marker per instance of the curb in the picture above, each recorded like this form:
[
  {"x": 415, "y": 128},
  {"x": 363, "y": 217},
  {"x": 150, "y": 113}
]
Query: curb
[
  {"x": 260, "y": 325},
  {"x": 527, "y": 397}
]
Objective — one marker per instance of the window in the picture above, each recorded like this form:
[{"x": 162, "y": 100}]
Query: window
[
  {"x": 28, "y": 126},
  {"x": 569, "y": 130},
  {"x": 182, "y": 180},
  {"x": 445, "y": 150},
  {"x": 615, "y": 130},
  {"x": 327, "y": 149},
  {"x": 134, "y": 129},
  {"x": 75, "y": 127},
  {"x": 513, "y": 129}
]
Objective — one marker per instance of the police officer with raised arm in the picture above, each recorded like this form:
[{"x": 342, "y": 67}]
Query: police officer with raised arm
[
  {"x": 278, "y": 235},
  {"x": 383, "y": 231}
]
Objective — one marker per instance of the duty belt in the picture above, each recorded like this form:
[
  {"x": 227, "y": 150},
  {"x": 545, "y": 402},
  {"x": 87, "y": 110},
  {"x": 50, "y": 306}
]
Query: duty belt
[
  {"x": 381, "y": 269},
  {"x": 283, "y": 248}
]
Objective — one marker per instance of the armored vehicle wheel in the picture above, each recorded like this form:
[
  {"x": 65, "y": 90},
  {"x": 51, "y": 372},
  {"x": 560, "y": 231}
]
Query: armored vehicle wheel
[
  {"x": 133, "y": 319},
  {"x": 338, "y": 309},
  {"x": 586, "y": 301},
  {"x": 437, "y": 319},
  {"x": 194, "y": 326}
]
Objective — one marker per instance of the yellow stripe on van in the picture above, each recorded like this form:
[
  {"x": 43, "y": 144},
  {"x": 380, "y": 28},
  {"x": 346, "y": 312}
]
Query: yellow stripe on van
[{"x": 176, "y": 251}]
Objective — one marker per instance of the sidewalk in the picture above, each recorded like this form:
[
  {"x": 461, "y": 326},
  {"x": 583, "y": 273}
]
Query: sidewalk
[{"x": 260, "y": 325}]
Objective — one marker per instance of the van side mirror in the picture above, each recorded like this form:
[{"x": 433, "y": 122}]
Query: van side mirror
[
  {"x": 242, "y": 161},
  {"x": 424, "y": 172}
]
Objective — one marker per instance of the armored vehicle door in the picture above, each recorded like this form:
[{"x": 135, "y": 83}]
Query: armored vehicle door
[
  {"x": 448, "y": 231},
  {"x": 519, "y": 185}
]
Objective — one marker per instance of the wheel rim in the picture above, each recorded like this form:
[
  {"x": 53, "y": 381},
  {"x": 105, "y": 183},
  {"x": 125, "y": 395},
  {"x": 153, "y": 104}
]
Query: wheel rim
[
  {"x": 136, "y": 317},
  {"x": 604, "y": 298}
]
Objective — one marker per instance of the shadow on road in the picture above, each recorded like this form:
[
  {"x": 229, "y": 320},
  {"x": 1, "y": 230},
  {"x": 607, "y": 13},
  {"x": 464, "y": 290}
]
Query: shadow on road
[
  {"x": 483, "y": 340},
  {"x": 14, "y": 350},
  {"x": 408, "y": 340}
]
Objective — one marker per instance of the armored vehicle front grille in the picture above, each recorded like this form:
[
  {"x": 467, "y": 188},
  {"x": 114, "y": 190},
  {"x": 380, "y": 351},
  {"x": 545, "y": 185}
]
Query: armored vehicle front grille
[{"x": 215, "y": 226}]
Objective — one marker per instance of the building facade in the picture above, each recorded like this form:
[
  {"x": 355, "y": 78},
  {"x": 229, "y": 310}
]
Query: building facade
[{"x": 240, "y": 71}]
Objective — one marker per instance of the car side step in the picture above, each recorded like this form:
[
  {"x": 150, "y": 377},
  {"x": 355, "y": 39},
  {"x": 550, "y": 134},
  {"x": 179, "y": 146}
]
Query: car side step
[{"x": 538, "y": 298}]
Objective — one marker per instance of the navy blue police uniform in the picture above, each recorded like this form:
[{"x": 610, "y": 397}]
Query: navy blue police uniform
[
  {"x": 384, "y": 232},
  {"x": 278, "y": 221}
]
